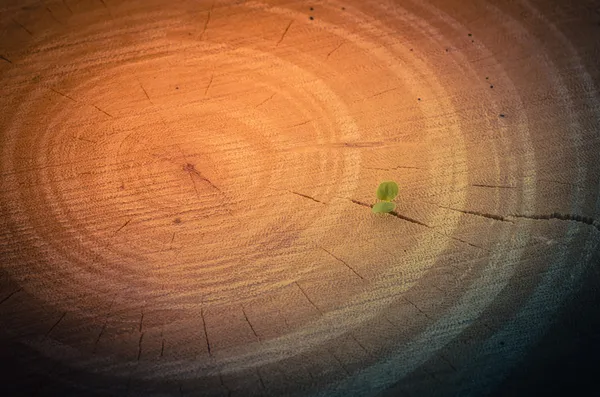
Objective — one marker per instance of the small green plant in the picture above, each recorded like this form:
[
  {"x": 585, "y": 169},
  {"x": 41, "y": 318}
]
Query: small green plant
[{"x": 386, "y": 192}]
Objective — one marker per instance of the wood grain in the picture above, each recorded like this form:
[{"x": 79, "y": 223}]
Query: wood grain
[{"x": 186, "y": 191}]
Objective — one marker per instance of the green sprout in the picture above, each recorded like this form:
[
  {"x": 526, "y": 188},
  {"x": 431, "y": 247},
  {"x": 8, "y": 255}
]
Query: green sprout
[{"x": 387, "y": 191}]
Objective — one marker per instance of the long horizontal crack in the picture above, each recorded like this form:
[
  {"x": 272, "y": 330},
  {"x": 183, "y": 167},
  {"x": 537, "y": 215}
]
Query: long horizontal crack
[
  {"x": 477, "y": 213},
  {"x": 308, "y": 197},
  {"x": 563, "y": 217},
  {"x": 405, "y": 218},
  {"x": 494, "y": 186}
]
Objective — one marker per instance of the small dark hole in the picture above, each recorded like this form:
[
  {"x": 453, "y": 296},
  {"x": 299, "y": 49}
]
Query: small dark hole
[
  {"x": 311, "y": 18},
  {"x": 343, "y": 8},
  {"x": 418, "y": 99},
  {"x": 470, "y": 35},
  {"x": 312, "y": 8},
  {"x": 503, "y": 116},
  {"x": 491, "y": 86},
  {"x": 176, "y": 88}
]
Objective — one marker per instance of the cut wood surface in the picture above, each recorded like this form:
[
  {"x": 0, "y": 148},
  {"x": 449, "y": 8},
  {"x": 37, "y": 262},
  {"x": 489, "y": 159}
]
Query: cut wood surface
[{"x": 186, "y": 192}]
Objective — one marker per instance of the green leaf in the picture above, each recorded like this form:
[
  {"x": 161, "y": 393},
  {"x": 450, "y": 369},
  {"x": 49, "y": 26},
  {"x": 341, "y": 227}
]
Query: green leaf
[
  {"x": 383, "y": 206},
  {"x": 387, "y": 190}
]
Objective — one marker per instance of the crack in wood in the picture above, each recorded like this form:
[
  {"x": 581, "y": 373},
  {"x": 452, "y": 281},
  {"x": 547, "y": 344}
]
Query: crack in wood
[
  {"x": 344, "y": 262},
  {"x": 361, "y": 345},
  {"x": 250, "y": 324},
  {"x": 10, "y": 295},
  {"x": 205, "y": 331},
  {"x": 560, "y": 183},
  {"x": 191, "y": 169},
  {"x": 416, "y": 307},
  {"x": 394, "y": 213},
  {"x": 408, "y": 219},
  {"x": 206, "y": 23},
  {"x": 284, "y": 33},
  {"x": 494, "y": 186},
  {"x": 462, "y": 241},
  {"x": 334, "y": 50},
  {"x": 22, "y": 26},
  {"x": 139, "y": 355},
  {"x": 448, "y": 362},
  {"x": 121, "y": 228},
  {"x": 108, "y": 314},
  {"x": 477, "y": 213},
  {"x": 563, "y": 217},
  {"x": 141, "y": 322},
  {"x": 55, "y": 324},
  {"x": 262, "y": 383},
  {"x": 209, "y": 84},
  {"x": 265, "y": 101},
  {"x": 146, "y": 93},
  {"x": 393, "y": 168},
  {"x": 109, "y": 115},
  {"x": 67, "y": 7},
  {"x": 61, "y": 94},
  {"x": 302, "y": 123},
  {"x": 53, "y": 17},
  {"x": 307, "y": 298},
  {"x": 306, "y": 196},
  {"x": 339, "y": 362},
  {"x": 380, "y": 93},
  {"x": 5, "y": 59}
]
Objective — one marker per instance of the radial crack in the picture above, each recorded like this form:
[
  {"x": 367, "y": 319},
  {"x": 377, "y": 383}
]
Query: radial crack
[
  {"x": 22, "y": 26},
  {"x": 146, "y": 93},
  {"x": 381, "y": 93},
  {"x": 205, "y": 331},
  {"x": 206, "y": 24},
  {"x": 307, "y": 298},
  {"x": 262, "y": 383},
  {"x": 339, "y": 362},
  {"x": 284, "y": 32},
  {"x": 108, "y": 114},
  {"x": 417, "y": 307},
  {"x": 125, "y": 224},
  {"x": 141, "y": 322},
  {"x": 67, "y": 6},
  {"x": 265, "y": 101},
  {"x": 61, "y": 94},
  {"x": 344, "y": 262},
  {"x": 140, "y": 346},
  {"x": 335, "y": 49},
  {"x": 360, "y": 345},
  {"x": 10, "y": 295},
  {"x": 55, "y": 324},
  {"x": 250, "y": 324},
  {"x": 209, "y": 84}
]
